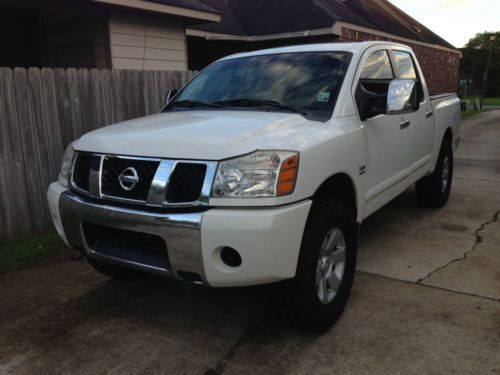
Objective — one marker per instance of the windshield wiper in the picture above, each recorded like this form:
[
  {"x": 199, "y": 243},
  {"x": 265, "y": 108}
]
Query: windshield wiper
[
  {"x": 194, "y": 104},
  {"x": 245, "y": 102}
]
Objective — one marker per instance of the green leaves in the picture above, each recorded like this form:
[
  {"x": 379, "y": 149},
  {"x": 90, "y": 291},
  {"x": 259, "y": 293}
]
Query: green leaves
[{"x": 482, "y": 41}]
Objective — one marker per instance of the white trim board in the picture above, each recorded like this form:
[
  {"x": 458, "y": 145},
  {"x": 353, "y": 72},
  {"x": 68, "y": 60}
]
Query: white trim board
[{"x": 336, "y": 29}]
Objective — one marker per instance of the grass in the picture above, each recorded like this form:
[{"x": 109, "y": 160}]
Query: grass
[
  {"x": 19, "y": 254},
  {"x": 487, "y": 101},
  {"x": 491, "y": 101},
  {"x": 472, "y": 113}
]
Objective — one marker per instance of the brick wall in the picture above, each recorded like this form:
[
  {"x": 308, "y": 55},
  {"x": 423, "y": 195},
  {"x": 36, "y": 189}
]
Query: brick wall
[{"x": 440, "y": 66}]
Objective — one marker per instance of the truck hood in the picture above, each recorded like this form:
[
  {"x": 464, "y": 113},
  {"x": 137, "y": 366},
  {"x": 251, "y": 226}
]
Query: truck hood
[{"x": 202, "y": 134}]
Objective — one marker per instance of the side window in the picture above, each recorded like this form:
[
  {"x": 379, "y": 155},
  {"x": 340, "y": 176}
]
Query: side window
[
  {"x": 404, "y": 65},
  {"x": 405, "y": 68},
  {"x": 373, "y": 86},
  {"x": 377, "y": 66}
]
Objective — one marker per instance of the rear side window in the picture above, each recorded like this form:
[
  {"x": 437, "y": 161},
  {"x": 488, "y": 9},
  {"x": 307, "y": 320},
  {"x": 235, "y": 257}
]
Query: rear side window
[
  {"x": 404, "y": 65},
  {"x": 377, "y": 66}
]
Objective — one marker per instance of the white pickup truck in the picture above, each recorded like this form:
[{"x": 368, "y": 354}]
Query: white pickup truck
[{"x": 261, "y": 169}]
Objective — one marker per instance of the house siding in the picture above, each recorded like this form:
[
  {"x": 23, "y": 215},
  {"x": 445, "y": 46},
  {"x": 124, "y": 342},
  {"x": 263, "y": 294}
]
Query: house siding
[
  {"x": 73, "y": 41},
  {"x": 146, "y": 42},
  {"x": 439, "y": 65}
]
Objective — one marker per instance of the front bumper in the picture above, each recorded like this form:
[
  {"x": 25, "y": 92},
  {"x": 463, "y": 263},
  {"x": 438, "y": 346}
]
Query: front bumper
[{"x": 267, "y": 239}]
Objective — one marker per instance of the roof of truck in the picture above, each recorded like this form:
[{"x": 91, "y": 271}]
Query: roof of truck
[{"x": 355, "y": 47}]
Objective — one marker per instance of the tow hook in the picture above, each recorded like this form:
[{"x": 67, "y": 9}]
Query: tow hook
[
  {"x": 190, "y": 280},
  {"x": 81, "y": 254}
]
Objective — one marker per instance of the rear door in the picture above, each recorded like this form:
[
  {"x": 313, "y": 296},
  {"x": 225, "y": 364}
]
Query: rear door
[
  {"x": 420, "y": 122},
  {"x": 388, "y": 159}
]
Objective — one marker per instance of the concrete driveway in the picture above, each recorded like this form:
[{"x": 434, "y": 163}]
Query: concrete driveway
[{"x": 426, "y": 299}]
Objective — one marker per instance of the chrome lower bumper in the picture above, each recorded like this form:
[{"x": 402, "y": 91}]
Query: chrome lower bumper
[{"x": 180, "y": 232}]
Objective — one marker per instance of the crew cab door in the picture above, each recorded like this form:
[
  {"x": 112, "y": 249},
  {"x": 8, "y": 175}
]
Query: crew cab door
[
  {"x": 388, "y": 139},
  {"x": 420, "y": 122}
]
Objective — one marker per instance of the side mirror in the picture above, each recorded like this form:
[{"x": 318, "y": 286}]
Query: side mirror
[
  {"x": 370, "y": 103},
  {"x": 170, "y": 95},
  {"x": 402, "y": 96}
]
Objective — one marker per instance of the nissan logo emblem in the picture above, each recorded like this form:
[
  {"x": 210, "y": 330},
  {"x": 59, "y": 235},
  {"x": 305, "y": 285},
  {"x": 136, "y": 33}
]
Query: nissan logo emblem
[{"x": 128, "y": 179}]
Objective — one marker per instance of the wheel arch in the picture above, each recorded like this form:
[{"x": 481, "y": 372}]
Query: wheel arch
[
  {"x": 448, "y": 136},
  {"x": 342, "y": 187},
  {"x": 439, "y": 141}
]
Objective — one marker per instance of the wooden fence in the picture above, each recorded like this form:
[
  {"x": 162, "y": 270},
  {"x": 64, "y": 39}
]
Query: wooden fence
[{"x": 43, "y": 110}]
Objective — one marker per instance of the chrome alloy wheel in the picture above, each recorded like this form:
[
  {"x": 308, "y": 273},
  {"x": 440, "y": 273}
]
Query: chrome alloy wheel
[
  {"x": 330, "y": 266},
  {"x": 446, "y": 173}
]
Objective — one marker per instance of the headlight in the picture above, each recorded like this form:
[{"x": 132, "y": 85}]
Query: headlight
[
  {"x": 66, "y": 165},
  {"x": 260, "y": 174}
]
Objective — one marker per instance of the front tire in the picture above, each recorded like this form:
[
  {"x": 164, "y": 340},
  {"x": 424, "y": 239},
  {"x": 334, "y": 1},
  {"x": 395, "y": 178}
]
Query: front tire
[
  {"x": 326, "y": 266},
  {"x": 434, "y": 190}
]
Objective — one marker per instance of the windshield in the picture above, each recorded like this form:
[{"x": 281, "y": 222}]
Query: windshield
[{"x": 307, "y": 83}]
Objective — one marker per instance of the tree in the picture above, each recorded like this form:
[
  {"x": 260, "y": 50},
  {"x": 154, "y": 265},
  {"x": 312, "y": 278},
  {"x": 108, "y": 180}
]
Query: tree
[
  {"x": 482, "y": 41},
  {"x": 473, "y": 63}
]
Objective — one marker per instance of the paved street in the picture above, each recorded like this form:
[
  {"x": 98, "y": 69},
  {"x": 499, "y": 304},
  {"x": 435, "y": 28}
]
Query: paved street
[{"x": 426, "y": 299}]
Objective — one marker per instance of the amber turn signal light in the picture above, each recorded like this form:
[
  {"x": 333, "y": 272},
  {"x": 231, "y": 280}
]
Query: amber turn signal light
[{"x": 287, "y": 176}]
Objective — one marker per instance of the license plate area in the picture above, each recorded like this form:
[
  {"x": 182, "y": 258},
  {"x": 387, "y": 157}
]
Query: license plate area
[{"x": 131, "y": 246}]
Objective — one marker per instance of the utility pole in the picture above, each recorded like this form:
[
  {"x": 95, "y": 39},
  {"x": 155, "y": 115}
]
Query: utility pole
[{"x": 485, "y": 77}]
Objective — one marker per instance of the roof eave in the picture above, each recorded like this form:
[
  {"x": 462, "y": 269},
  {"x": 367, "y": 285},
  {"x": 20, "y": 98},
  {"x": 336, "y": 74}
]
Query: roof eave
[
  {"x": 165, "y": 9},
  {"x": 337, "y": 30},
  {"x": 258, "y": 38}
]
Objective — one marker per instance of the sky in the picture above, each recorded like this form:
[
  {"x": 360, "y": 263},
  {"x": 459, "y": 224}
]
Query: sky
[{"x": 456, "y": 21}]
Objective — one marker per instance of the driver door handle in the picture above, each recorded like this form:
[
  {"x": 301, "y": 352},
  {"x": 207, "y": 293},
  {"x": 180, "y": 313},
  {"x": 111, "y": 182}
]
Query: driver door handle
[{"x": 404, "y": 124}]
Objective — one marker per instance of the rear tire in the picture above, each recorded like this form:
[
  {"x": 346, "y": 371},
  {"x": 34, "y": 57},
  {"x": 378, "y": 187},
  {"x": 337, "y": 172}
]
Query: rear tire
[
  {"x": 326, "y": 266},
  {"x": 115, "y": 272},
  {"x": 434, "y": 190}
]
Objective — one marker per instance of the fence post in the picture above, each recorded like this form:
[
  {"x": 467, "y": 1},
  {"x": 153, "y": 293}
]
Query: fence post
[{"x": 42, "y": 111}]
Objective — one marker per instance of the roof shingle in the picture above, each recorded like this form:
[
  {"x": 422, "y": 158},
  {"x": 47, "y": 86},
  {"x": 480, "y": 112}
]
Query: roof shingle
[
  {"x": 189, "y": 4},
  {"x": 268, "y": 17}
]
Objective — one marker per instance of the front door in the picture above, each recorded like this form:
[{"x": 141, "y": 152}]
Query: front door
[
  {"x": 420, "y": 121},
  {"x": 387, "y": 137}
]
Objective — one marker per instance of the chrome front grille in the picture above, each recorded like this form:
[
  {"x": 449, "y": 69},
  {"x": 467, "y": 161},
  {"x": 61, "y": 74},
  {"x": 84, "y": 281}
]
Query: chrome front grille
[
  {"x": 81, "y": 170},
  {"x": 112, "y": 167},
  {"x": 146, "y": 181},
  {"x": 186, "y": 182}
]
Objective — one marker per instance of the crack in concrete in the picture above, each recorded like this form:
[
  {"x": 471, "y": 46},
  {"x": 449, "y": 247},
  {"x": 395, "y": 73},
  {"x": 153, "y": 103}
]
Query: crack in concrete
[
  {"x": 478, "y": 240},
  {"x": 475, "y": 179},
  {"x": 432, "y": 287},
  {"x": 463, "y": 293},
  {"x": 247, "y": 333},
  {"x": 258, "y": 322}
]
